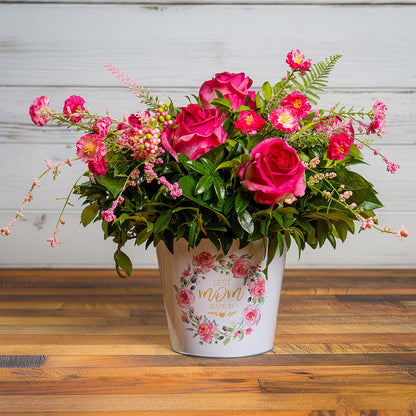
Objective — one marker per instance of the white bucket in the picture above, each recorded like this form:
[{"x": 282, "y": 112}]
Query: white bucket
[{"x": 220, "y": 305}]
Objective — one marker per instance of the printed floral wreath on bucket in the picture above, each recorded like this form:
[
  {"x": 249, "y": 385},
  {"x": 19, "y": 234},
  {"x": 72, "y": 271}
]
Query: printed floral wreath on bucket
[
  {"x": 234, "y": 164},
  {"x": 240, "y": 268}
]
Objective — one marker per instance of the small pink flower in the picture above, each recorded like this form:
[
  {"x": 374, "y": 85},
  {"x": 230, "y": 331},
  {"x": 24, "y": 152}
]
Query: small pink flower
[
  {"x": 206, "y": 330},
  {"x": 298, "y": 102},
  {"x": 39, "y": 110},
  {"x": 251, "y": 315},
  {"x": 284, "y": 118},
  {"x": 53, "y": 240},
  {"x": 297, "y": 61},
  {"x": 339, "y": 146},
  {"x": 185, "y": 297},
  {"x": 241, "y": 268},
  {"x": 102, "y": 126},
  {"x": 205, "y": 261},
  {"x": 108, "y": 216},
  {"x": 249, "y": 122},
  {"x": 379, "y": 116},
  {"x": 237, "y": 334},
  {"x": 403, "y": 232},
  {"x": 248, "y": 331},
  {"x": 184, "y": 318},
  {"x": 74, "y": 105}
]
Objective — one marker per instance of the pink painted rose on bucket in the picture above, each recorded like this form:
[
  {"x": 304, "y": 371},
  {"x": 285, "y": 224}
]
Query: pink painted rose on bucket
[
  {"x": 185, "y": 297},
  {"x": 204, "y": 261},
  {"x": 241, "y": 268},
  {"x": 206, "y": 330},
  {"x": 198, "y": 131},
  {"x": 274, "y": 174},
  {"x": 258, "y": 287},
  {"x": 234, "y": 87},
  {"x": 251, "y": 315}
]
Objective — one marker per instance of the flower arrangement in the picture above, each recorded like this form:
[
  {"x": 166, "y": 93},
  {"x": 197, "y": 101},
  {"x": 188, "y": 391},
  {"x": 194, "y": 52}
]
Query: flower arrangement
[{"x": 233, "y": 164}]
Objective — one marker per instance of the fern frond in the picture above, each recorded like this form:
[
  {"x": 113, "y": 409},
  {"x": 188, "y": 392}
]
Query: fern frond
[{"x": 315, "y": 81}]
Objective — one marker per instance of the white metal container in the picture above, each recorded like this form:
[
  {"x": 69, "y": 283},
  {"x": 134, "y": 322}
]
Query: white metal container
[{"x": 220, "y": 305}]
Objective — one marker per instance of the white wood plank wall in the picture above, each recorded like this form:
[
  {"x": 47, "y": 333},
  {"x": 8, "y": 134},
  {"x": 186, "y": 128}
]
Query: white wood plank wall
[{"x": 59, "y": 48}]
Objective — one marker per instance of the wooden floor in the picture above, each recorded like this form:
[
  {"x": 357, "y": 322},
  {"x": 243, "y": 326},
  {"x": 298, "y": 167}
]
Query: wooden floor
[{"x": 84, "y": 342}]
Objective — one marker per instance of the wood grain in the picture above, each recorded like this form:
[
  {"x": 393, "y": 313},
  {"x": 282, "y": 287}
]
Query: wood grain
[{"x": 84, "y": 342}]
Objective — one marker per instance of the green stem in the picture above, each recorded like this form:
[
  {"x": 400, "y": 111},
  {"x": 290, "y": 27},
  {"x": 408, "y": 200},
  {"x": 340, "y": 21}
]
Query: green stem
[{"x": 67, "y": 201}]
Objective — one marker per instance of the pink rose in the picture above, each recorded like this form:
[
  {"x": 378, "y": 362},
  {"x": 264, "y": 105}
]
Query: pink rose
[
  {"x": 241, "y": 268},
  {"x": 234, "y": 87},
  {"x": 251, "y": 315},
  {"x": 206, "y": 330},
  {"x": 39, "y": 111},
  {"x": 198, "y": 131},
  {"x": 185, "y": 297},
  {"x": 339, "y": 146},
  {"x": 258, "y": 287},
  {"x": 249, "y": 122},
  {"x": 274, "y": 174},
  {"x": 204, "y": 261},
  {"x": 74, "y": 105}
]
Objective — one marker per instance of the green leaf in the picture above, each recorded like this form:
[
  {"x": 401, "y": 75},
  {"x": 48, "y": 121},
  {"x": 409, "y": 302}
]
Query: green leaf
[
  {"x": 114, "y": 185},
  {"x": 245, "y": 220},
  {"x": 219, "y": 187},
  {"x": 193, "y": 165},
  {"x": 305, "y": 225},
  {"x": 187, "y": 184},
  {"x": 162, "y": 221},
  {"x": 288, "y": 221},
  {"x": 194, "y": 230},
  {"x": 143, "y": 236},
  {"x": 123, "y": 263},
  {"x": 260, "y": 104},
  {"x": 203, "y": 184},
  {"x": 267, "y": 91},
  {"x": 89, "y": 213},
  {"x": 222, "y": 103},
  {"x": 316, "y": 79},
  {"x": 241, "y": 201},
  {"x": 371, "y": 202}
]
